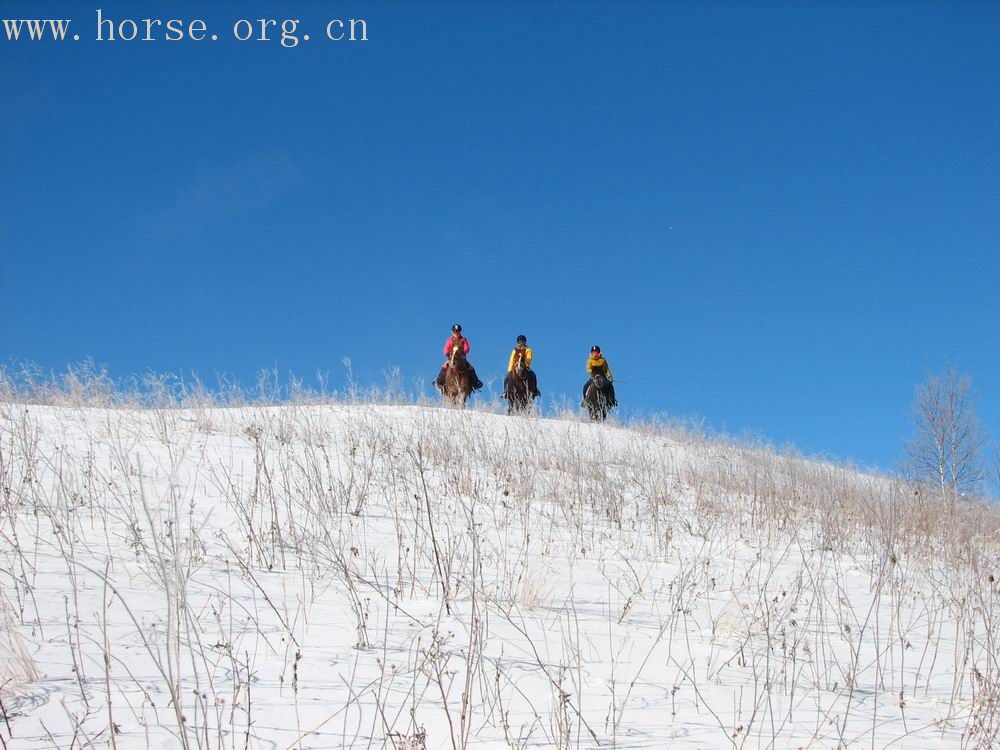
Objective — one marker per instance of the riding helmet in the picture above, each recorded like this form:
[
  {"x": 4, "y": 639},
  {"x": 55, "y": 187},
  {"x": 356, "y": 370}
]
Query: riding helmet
[
  {"x": 522, "y": 339},
  {"x": 457, "y": 328},
  {"x": 595, "y": 349}
]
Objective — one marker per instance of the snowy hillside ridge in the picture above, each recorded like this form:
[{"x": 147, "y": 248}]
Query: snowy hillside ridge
[{"x": 321, "y": 576}]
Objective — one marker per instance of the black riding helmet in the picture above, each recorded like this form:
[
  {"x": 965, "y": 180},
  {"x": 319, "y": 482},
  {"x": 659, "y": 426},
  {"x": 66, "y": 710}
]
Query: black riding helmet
[
  {"x": 595, "y": 349},
  {"x": 457, "y": 328},
  {"x": 522, "y": 339}
]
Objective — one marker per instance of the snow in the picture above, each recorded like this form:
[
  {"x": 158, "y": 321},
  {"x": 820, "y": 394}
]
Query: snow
[{"x": 324, "y": 576}]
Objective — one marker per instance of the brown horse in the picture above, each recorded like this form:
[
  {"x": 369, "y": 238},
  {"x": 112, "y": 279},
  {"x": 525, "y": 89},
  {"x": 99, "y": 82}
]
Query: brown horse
[
  {"x": 596, "y": 397},
  {"x": 458, "y": 378},
  {"x": 518, "y": 393}
]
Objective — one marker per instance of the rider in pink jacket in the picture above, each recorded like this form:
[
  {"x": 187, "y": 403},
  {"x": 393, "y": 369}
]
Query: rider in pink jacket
[{"x": 456, "y": 338}]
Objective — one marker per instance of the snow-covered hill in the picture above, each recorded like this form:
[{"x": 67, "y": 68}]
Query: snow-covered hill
[{"x": 408, "y": 577}]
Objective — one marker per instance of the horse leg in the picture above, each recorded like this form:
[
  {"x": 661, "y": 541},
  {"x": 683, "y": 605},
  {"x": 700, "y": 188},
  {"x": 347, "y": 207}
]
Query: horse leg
[
  {"x": 595, "y": 406},
  {"x": 514, "y": 404},
  {"x": 511, "y": 393},
  {"x": 465, "y": 386},
  {"x": 452, "y": 387}
]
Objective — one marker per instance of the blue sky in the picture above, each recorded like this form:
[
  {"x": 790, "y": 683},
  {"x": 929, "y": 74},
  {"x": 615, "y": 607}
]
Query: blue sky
[{"x": 773, "y": 216}]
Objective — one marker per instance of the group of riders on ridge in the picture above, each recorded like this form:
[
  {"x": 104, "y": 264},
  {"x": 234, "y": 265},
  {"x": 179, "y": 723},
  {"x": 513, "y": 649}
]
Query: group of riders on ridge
[{"x": 522, "y": 354}]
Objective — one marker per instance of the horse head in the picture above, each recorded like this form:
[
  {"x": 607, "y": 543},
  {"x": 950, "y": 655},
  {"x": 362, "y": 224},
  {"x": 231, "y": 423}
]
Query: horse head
[
  {"x": 457, "y": 358},
  {"x": 520, "y": 366}
]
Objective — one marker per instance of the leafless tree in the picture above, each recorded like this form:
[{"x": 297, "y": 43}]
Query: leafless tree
[
  {"x": 996, "y": 469},
  {"x": 946, "y": 449}
]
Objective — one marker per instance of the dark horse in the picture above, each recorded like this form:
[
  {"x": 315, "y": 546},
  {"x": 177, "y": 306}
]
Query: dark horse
[
  {"x": 518, "y": 391},
  {"x": 597, "y": 397},
  {"x": 458, "y": 379}
]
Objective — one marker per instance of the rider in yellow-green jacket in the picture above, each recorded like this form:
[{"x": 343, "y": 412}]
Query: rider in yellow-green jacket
[{"x": 596, "y": 363}]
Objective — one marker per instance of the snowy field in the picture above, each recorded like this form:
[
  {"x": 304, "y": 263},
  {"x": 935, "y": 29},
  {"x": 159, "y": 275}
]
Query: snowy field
[{"x": 410, "y": 577}]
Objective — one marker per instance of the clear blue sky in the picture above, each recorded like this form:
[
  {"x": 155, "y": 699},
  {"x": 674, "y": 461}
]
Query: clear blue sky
[{"x": 776, "y": 216}]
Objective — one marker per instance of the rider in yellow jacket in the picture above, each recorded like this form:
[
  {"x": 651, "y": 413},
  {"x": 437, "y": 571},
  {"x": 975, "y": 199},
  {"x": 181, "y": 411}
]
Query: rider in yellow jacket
[
  {"x": 523, "y": 352},
  {"x": 596, "y": 363}
]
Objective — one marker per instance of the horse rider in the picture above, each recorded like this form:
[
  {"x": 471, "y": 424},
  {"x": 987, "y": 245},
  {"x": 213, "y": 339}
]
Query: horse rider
[
  {"x": 522, "y": 351},
  {"x": 597, "y": 363},
  {"x": 456, "y": 339}
]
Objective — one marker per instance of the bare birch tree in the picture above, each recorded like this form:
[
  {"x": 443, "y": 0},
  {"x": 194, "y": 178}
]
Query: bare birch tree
[{"x": 946, "y": 449}]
